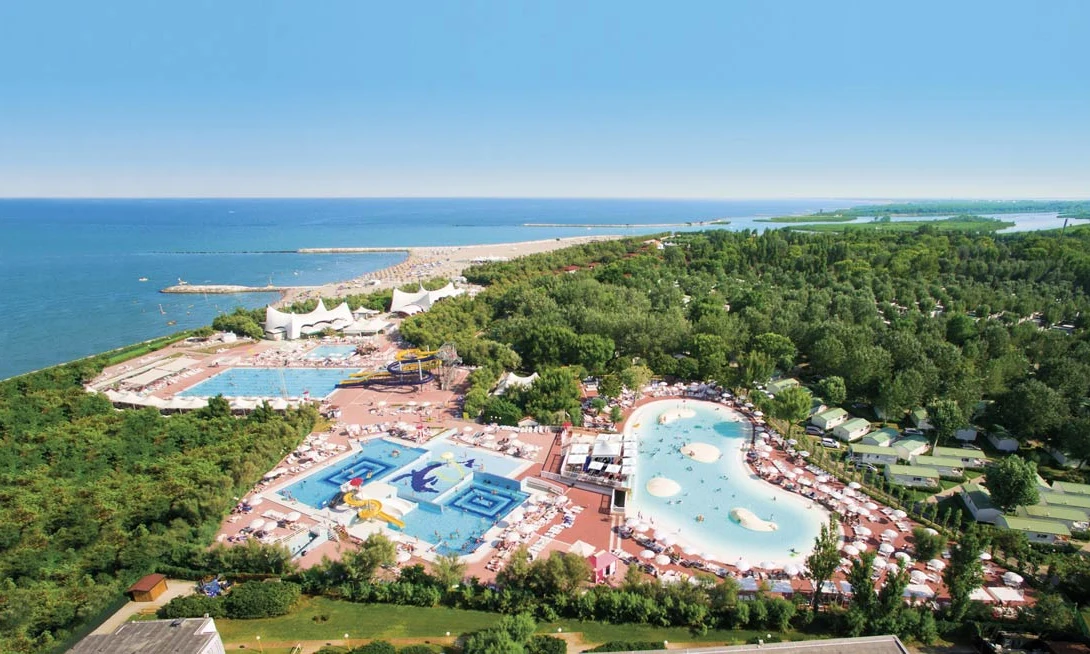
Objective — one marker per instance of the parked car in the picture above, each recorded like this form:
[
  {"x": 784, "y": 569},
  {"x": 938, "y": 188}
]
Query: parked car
[
  {"x": 859, "y": 465},
  {"x": 814, "y": 431},
  {"x": 912, "y": 431},
  {"x": 831, "y": 443}
]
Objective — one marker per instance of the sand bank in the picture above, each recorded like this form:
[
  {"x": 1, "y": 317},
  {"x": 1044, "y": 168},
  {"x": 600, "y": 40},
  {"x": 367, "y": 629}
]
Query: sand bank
[
  {"x": 663, "y": 487},
  {"x": 701, "y": 452},
  {"x": 673, "y": 415},
  {"x": 747, "y": 519}
]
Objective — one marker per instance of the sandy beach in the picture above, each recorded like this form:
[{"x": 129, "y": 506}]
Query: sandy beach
[{"x": 425, "y": 263}]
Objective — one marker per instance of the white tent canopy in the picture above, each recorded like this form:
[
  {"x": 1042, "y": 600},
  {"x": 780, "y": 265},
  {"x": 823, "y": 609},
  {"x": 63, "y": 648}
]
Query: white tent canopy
[
  {"x": 294, "y": 325},
  {"x": 412, "y": 303}
]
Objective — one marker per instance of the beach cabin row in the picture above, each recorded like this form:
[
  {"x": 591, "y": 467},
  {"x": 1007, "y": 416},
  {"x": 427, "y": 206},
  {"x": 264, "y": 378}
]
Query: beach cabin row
[{"x": 1062, "y": 508}]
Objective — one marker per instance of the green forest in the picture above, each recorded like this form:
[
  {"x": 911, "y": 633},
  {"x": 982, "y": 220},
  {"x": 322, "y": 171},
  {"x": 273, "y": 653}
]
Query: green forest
[
  {"x": 971, "y": 321},
  {"x": 1065, "y": 208},
  {"x": 92, "y": 498}
]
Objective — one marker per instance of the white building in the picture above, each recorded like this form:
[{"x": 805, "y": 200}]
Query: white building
[
  {"x": 280, "y": 325},
  {"x": 979, "y": 502},
  {"x": 852, "y": 430},
  {"x": 913, "y": 476},
  {"x": 875, "y": 454},
  {"x": 182, "y": 636},
  {"x": 829, "y": 418}
]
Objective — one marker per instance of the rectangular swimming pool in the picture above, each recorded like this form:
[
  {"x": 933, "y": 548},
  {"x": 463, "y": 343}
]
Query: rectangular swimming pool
[
  {"x": 271, "y": 382},
  {"x": 331, "y": 352}
]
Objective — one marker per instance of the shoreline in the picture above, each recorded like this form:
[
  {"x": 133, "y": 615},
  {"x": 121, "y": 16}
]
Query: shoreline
[{"x": 428, "y": 262}]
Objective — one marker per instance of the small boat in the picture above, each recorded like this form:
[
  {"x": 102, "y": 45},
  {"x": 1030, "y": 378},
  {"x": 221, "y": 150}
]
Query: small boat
[
  {"x": 172, "y": 322},
  {"x": 162, "y": 310},
  {"x": 142, "y": 279},
  {"x": 182, "y": 282}
]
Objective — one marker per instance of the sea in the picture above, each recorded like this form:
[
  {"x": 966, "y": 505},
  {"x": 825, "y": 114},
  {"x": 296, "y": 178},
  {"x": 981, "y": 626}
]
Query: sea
[{"x": 71, "y": 271}]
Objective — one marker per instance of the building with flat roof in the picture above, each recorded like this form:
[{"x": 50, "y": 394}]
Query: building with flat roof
[
  {"x": 181, "y": 636},
  {"x": 913, "y": 476},
  {"x": 969, "y": 458},
  {"x": 979, "y": 502},
  {"x": 875, "y": 454},
  {"x": 1071, "y": 517},
  {"x": 852, "y": 430},
  {"x": 1037, "y": 531},
  {"x": 1071, "y": 488},
  {"x": 946, "y": 466},
  {"x": 829, "y": 418}
]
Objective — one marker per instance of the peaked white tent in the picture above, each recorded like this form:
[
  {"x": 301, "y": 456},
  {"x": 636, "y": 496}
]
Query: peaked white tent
[
  {"x": 511, "y": 379},
  {"x": 294, "y": 325},
  {"x": 413, "y": 303}
]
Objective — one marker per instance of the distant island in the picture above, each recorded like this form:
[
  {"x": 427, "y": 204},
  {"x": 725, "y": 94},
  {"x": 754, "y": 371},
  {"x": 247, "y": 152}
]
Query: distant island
[
  {"x": 694, "y": 223},
  {"x": 1076, "y": 209},
  {"x": 964, "y": 223}
]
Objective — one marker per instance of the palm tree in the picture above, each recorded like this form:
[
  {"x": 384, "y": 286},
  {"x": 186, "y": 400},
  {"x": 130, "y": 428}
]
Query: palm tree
[{"x": 448, "y": 570}]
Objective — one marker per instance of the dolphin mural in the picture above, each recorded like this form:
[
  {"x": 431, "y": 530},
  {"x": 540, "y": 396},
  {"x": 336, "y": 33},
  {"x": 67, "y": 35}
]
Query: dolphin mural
[{"x": 422, "y": 480}]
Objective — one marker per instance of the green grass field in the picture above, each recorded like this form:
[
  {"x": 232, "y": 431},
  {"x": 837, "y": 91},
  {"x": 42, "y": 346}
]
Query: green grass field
[{"x": 390, "y": 622}]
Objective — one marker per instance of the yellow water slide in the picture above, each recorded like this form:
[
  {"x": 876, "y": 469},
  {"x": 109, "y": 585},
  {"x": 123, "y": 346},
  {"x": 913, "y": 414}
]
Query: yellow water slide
[{"x": 370, "y": 509}]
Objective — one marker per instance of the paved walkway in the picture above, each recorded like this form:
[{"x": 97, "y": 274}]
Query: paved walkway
[{"x": 175, "y": 588}]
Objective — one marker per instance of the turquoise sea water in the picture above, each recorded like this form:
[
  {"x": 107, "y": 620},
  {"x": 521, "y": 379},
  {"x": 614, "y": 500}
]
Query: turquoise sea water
[{"x": 69, "y": 269}]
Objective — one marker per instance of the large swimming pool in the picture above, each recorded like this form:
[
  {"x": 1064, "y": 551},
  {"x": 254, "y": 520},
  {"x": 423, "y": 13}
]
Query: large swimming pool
[
  {"x": 460, "y": 492},
  {"x": 706, "y": 492},
  {"x": 271, "y": 382}
]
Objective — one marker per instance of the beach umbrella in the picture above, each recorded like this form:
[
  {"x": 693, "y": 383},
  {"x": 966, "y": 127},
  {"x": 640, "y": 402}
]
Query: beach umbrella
[
  {"x": 511, "y": 537},
  {"x": 647, "y": 554},
  {"x": 1012, "y": 578},
  {"x": 799, "y": 471},
  {"x": 919, "y": 590},
  {"x": 899, "y": 514},
  {"x": 792, "y": 570},
  {"x": 630, "y": 523},
  {"x": 918, "y": 577},
  {"x": 467, "y": 429},
  {"x": 903, "y": 556},
  {"x": 256, "y": 500},
  {"x": 931, "y": 531},
  {"x": 870, "y": 506},
  {"x": 689, "y": 550},
  {"x": 889, "y": 533},
  {"x": 743, "y": 565},
  {"x": 938, "y": 564},
  {"x": 765, "y": 455},
  {"x": 805, "y": 481},
  {"x": 861, "y": 545},
  {"x": 853, "y": 485},
  {"x": 863, "y": 531},
  {"x": 885, "y": 548},
  {"x": 792, "y": 441},
  {"x": 668, "y": 540},
  {"x": 769, "y": 565},
  {"x": 526, "y": 529},
  {"x": 293, "y": 516},
  {"x": 641, "y": 527},
  {"x": 878, "y": 564},
  {"x": 257, "y": 524},
  {"x": 804, "y": 454},
  {"x": 851, "y": 550},
  {"x": 403, "y": 556},
  {"x": 985, "y": 556},
  {"x": 662, "y": 559},
  {"x": 893, "y": 566}
]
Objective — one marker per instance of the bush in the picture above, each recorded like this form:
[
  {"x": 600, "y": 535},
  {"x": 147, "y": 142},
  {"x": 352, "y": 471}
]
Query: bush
[
  {"x": 375, "y": 647},
  {"x": 417, "y": 649},
  {"x": 627, "y": 646},
  {"x": 258, "y": 599},
  {"x": 192, "y": 606},
  {"x": 546, "y": 645}
]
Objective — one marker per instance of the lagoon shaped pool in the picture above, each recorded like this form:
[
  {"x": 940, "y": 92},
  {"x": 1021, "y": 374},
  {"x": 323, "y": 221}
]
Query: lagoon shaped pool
[{"x": 710, "y": 480}]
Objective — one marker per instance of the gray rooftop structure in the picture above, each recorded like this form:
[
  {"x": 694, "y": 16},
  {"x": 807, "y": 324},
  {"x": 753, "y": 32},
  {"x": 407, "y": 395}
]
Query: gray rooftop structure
[
  {"x": 183, "y": 636},
  {"x": 864, "y": 645}
]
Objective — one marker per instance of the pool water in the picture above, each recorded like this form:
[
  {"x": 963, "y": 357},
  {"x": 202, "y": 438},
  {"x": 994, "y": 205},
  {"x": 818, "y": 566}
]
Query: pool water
[
  {"x": 271, "y": 382},
  {"x": 375, "y": 460},
  {"x": 460, "y": 493},
  {"x": 711, "y": 490},
  {"x": 323, "y": 352}
]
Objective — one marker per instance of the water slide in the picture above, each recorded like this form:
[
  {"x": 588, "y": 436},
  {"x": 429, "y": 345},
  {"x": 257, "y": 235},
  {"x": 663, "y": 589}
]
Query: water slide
[
  {"x": 412, "y": 368},
  {"x": 370, "y": 509}
]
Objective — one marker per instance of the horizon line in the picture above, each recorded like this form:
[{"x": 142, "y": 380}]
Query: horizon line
[{"x": 910, "y": 198}]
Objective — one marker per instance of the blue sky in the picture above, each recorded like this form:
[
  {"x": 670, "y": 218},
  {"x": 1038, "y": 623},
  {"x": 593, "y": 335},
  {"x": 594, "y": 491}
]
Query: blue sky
[{"x": 572, "y": 99}]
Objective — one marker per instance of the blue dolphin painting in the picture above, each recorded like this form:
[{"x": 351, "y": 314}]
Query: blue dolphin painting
[{"x": 422, "y": 481}]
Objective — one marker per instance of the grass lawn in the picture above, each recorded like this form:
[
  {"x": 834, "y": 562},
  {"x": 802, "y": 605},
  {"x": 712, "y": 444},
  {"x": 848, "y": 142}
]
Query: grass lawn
[
  {"x": 391, "y": 622},
  {"x": 385, "y": 621}
]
